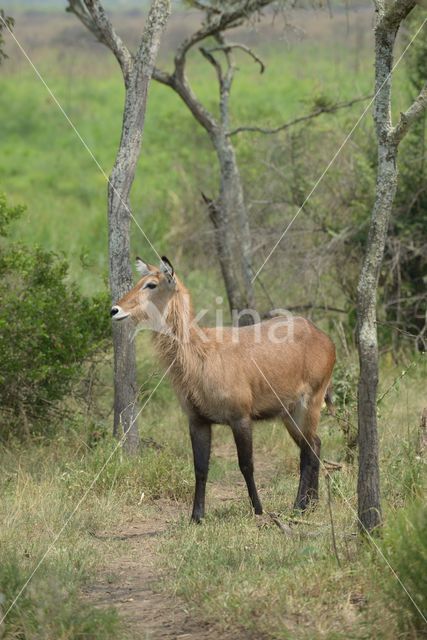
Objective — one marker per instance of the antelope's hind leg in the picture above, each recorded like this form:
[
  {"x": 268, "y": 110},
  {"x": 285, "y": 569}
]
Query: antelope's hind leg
[
  {"x": 302, "y": 425},
  {"x": 201, "y": 435},
  {"x": 242, "y": 432}
]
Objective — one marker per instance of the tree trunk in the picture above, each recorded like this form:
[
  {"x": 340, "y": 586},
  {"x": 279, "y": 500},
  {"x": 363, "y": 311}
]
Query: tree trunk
[
  {"x": 368, "y": 485},
  {"x": 232, "y": 204},
  {"x": 121, "y": 180},
  {"x": 233, "y": 232}
]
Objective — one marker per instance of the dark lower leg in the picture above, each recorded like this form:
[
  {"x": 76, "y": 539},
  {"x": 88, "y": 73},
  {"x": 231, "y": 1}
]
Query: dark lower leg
[
  {"x": 242, "y": 432},
  {"x": 200, "y": 433},
  {"x": 308, "y": 489}
]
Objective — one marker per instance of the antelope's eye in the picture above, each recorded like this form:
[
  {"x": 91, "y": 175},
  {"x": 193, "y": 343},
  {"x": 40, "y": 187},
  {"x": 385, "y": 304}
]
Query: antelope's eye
[{"x": 150, "y": 285}]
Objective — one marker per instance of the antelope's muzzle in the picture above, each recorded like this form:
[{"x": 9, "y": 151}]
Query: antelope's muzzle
[{"x": 117, "y": 313}]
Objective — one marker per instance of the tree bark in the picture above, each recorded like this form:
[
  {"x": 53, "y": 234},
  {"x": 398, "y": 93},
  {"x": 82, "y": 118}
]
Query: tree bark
[
  {"x": 234, "y": 244},
  {"x": 388, "y": 138},
  {"x": 368, "y": 487},
  {"x": 121, "y": 180},
  {"x": 137, "y": 71}
]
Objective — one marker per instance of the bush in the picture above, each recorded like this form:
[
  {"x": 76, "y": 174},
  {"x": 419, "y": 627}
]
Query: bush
[
  {"x": 405, "y": 542},
  {"x": 47, "y": 331}
]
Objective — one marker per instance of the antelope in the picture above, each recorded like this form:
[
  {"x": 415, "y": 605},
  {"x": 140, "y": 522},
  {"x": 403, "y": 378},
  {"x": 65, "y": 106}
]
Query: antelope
[{"x": 280, "y": 367}]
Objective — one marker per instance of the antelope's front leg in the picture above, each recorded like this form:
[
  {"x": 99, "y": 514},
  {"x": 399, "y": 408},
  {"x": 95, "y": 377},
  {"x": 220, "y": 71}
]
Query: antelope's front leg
[{"x": 200, "y": 432}]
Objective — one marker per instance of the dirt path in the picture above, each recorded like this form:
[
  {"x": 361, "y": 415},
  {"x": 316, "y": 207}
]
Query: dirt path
[{"x": 129, "y": 582}]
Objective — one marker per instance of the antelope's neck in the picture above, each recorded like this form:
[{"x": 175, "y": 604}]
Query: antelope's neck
[{"x": 181, "y": 346}]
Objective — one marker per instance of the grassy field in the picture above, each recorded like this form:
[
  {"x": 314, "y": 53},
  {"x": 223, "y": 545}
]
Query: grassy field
[
  {"x": 44, "y": 165},
  {"x": 235, "y": 569}
]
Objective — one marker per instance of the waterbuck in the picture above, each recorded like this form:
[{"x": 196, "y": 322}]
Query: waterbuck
[{"x": 234, "y": 375}]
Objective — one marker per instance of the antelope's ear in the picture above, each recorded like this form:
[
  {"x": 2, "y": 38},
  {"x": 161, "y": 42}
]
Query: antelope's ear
[
  {"x": 166, "y": 267},
  {"x": 142, "y": 267}
]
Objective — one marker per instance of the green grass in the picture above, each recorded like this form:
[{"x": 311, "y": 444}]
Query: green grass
[
  {"x": 36, "y": 506},
  {"x": 232, "y": 569}
]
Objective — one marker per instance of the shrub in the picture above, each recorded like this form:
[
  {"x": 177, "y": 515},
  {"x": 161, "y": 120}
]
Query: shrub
[
  {"x": 405, "y": 546},
  {"x": 47, "y": 331}
]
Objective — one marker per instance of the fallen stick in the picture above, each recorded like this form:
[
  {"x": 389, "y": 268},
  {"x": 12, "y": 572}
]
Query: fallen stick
[
  {"x": 284, "y": 528},
  {"x": 332, "y": 466},
  {"x": 289, "y": 532}
]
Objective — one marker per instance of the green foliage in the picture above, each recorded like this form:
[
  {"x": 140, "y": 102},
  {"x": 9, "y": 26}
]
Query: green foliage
[
  {"x": 8, "y": 214},
  {"x": 47, "y": 331},
  {"x": 405, "y": 546},
  {"x": 6, "y": 22},
  {"x": 49, "y": 608}
]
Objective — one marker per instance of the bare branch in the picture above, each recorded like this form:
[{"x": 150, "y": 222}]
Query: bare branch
[
  {"x": 215, "y": 23},
  {"x": 236, "y": 45},
  {"x": 92, "y": 14},
  {"x": 392, "y": 17},
  {"x": 163, "y": 77},
  {"x": 408, "y": 117},
  {"x": 206, "y": 53},
  {"x": 185, "y": 92},
  {"x": 309, "y": 116},
  {"x": 212, "y": 209}
]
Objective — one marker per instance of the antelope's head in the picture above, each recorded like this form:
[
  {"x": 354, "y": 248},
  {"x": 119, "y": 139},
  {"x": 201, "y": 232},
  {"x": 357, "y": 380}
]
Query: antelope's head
[{"x": 146, "y": 304}]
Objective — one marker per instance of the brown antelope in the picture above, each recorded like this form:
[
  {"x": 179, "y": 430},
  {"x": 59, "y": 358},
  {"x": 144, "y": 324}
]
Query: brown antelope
[{"x": 234, "y": 375}]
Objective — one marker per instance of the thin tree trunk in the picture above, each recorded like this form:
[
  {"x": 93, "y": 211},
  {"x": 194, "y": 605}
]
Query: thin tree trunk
[
  {"x": 369, "y": 481},
  {"x": 389, "y": 20},
  {"x": 121, "y": 180},
  {"x": 232, "y": 229},
  {"x": 235, "y": 220},
  {"x": 368, "y": 486}
]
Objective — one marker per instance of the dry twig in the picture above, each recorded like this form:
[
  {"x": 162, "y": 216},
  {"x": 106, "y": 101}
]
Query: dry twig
[{"x": 334, "y": 541}]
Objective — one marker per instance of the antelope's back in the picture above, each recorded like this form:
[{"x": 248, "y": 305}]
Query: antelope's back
[{"x": 285, "y": 357}]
